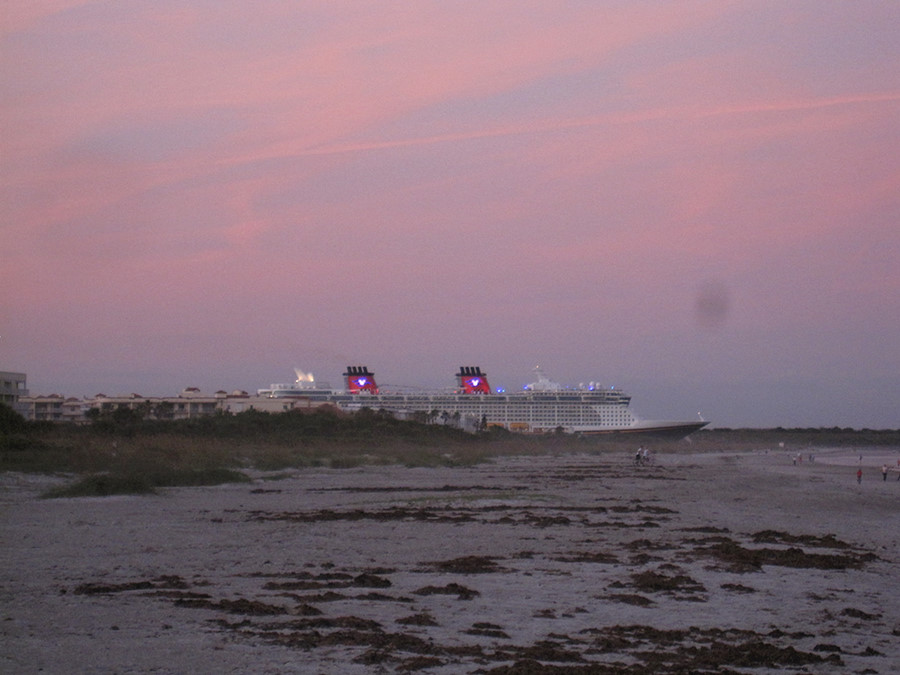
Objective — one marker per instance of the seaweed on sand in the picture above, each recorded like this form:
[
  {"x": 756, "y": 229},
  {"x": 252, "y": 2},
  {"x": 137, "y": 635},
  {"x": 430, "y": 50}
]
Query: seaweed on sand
[
  {"x": 654, "y": 582},
  {"x": 471, "y": 564},
  {"x": 740, "y": 559},
  {"x": 460, "y": 591}
]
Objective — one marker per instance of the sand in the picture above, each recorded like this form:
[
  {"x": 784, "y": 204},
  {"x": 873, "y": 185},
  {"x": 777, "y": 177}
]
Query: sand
[{"x": 718, "y": 562}]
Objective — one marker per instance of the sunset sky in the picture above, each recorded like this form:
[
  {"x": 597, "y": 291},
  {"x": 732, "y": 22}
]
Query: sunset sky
[{"x": 698, "y": 202}]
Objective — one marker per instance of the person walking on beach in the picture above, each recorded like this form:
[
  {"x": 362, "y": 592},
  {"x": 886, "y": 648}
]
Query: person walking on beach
[
  {"x": 884, "y": 472},
  {"x": 859, "y": 476}
]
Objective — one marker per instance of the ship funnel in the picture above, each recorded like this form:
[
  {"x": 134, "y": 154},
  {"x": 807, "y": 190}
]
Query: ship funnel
[
  {"x": 472, "y": 381},
  {"x": 359, "y": 379}
]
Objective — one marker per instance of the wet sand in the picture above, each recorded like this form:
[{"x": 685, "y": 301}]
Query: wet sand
[{"x": 717, "y": 562}]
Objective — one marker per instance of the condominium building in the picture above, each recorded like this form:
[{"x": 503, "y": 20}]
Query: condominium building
[{"x": 12, "y": 389}]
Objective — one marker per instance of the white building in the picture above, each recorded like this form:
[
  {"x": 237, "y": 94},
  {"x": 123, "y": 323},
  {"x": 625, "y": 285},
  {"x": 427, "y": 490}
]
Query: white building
[{"x": 189, "y": 404}]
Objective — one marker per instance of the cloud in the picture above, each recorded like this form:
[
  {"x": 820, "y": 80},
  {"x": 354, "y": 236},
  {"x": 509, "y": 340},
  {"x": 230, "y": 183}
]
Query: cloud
[{"x": 406, "y": 182}]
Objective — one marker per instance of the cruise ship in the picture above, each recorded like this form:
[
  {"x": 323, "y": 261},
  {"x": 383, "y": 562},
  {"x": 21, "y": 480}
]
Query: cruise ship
[{"x": 541, "y": 407}]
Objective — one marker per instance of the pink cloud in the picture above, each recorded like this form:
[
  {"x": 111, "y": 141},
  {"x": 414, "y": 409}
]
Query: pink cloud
[{"x": 20, "y": 15}]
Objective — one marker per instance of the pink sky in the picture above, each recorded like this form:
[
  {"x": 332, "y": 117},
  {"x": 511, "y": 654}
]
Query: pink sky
[{"x": 698, "y": 202}]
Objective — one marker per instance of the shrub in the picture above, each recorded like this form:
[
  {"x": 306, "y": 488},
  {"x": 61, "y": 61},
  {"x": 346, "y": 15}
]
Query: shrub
[
  {"x": 11, "y": 422},
  {"x": 104, "y": 485}
]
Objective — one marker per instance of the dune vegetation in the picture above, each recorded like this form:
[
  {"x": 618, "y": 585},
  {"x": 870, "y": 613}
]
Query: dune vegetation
[{"x": 123, "y": 452}]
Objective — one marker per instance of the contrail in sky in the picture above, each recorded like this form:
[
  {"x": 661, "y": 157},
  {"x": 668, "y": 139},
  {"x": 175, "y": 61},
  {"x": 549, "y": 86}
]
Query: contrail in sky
[{"x": 614, "y": 119}]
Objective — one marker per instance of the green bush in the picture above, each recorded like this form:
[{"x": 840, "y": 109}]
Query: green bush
[{"x": 104, "y": 485}]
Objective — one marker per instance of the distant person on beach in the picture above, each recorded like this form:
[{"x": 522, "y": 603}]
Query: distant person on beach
[
  {"x": 859, "y": 476},
  {"x": 884, "y": 472},
  {"x": 642, "y": 457}
]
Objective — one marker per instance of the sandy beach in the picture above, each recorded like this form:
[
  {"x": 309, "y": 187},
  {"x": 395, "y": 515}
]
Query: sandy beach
[{"x": 583, "y": 563}]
